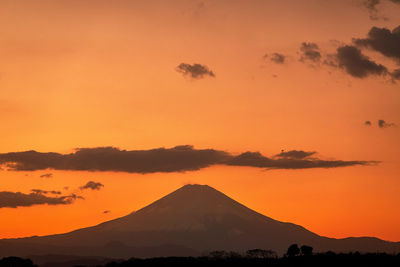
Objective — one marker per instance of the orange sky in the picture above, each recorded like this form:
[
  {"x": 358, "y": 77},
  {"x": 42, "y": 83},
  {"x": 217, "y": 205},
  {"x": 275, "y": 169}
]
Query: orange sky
[{"x": 102, "y": 73}]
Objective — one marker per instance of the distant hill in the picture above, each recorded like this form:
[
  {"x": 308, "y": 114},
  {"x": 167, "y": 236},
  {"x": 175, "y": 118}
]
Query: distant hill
[{"x": 192, "y": 220}]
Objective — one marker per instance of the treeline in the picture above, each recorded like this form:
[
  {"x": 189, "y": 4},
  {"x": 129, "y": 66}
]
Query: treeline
[
  {"x": 16, "y": 262},
  {"x": 328, "y": 259},
  {"x": 295, "y": 256}
]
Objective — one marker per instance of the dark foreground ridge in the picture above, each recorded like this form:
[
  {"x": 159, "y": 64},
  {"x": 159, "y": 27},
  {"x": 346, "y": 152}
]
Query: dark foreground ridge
[
  {"x": 221, "y": 258},
  {"x": 189, "y": 222}
]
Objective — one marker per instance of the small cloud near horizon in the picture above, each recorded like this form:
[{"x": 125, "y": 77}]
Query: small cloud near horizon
[
  {"x": 276, "y": 58},
  {"x": 383, "y": 124},
  {"x": 92, "y": 185},
  {"x": 195, "y": 71},
  {"x": 310, "y": 51}
]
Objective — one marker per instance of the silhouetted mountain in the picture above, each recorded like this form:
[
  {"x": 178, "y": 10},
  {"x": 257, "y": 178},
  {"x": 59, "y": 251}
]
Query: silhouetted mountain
[{"x": 191, "y": 220}]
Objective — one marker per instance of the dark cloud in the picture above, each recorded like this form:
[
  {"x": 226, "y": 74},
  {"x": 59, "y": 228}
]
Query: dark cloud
[
  {"x": 256, "y": 159},
  {"x": 46, "y": 175},
  {"x": 252, "y": 159},
  {"x": 37, "y": 197},
  {"x": 176, "y": 159},
  {"x": 356, "y": 64},
  {"x": 395, "y": 74},
  {"x": 180, "y": 158},
  {"x": 310, "y": 51},
  {"x": 92, "y": 185},
  {"x": 106, "y": 211},
  {"x": 368, "y": 123},
  {"x": 195, "y": 71},
  {"x": 383, "y": 124},
  {"x": 277, "y": 58},
  {"x": 331, "y": 60},
  {"x": 383, "y": 41},
  {"x": 371, "y": 5},
  {"x": 295, "y": 154},
  {"x": 39, "y": 191}
]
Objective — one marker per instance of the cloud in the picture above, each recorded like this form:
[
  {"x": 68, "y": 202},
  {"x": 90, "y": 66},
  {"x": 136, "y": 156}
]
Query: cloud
[
  {"x": 383, "y": 124},
  {"x": 383, "y": 41},
  {"x": 368, "y": 123},
  {"x": 371, "y": 5},
  {"x": 195, "y": 71},
  {"x": 46, "y": 175},
  {"x": 395, "y": 74},
  {"x": 92, "y": 185},
  {"x": 276, "y": 58},
  {"x": 256, "y": 159},
  {"x": 310, "y": 51},
  {"x": 331, "y": 60},
  {"x": 176, "y": 159},
  {"x": 106, "y": 211},
  {"x": 39, "y": 191},
  {"x": 37, "y": 197},
  {"x": 179, "y": 158},
  {"x": 295, "y": 154},
  {"x": 356, "y": 64}
]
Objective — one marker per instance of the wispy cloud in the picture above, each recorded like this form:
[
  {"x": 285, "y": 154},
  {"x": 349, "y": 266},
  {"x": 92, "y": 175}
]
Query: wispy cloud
[
  {"x": 46, "y": 175},
  {"x": 383, "y": 124},
  {"x": 310, "y": 52},
  {"x": 277, "y": 58}
]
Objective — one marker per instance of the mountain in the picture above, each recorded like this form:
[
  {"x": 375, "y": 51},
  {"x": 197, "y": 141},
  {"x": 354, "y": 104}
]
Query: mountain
[{"x": 191, "y": 220}]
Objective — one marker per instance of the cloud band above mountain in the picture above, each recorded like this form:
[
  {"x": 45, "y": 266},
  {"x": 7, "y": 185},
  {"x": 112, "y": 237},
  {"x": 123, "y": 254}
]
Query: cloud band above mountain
[{"x": 176, "y": 159}]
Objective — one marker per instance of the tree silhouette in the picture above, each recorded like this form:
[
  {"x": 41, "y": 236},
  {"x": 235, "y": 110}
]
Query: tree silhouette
[
  {"x": 218, "y": 254},
  {"x": 306, "y": 250},
  {"x": 293, "y": 250},
  {"x": 16, "y": 262},
  {"x": 233, "y": 255},
  {"x": 261, "y": 253}
]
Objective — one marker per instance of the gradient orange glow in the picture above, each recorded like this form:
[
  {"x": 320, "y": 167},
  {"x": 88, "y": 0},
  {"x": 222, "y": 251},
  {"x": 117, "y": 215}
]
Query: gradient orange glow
[{"x": 102, "y": 73}]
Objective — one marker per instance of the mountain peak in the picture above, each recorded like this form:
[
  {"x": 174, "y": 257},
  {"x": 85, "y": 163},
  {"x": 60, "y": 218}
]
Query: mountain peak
[
  {"x": 190, "y": 192},
  {"x": 190, "y": 207},
  {"x": 195, "y": 196},
  {"x": 196, "y": 187}
]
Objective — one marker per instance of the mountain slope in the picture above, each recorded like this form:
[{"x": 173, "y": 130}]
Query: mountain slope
[{"x": 190, "y": 220}]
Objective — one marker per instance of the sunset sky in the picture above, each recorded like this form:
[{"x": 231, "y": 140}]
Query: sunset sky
[{"x": 217, "y": 78}]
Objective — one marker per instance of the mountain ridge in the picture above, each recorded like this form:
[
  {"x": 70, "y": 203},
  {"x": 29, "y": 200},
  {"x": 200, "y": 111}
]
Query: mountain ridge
[{"x": 191, "y": 220}]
